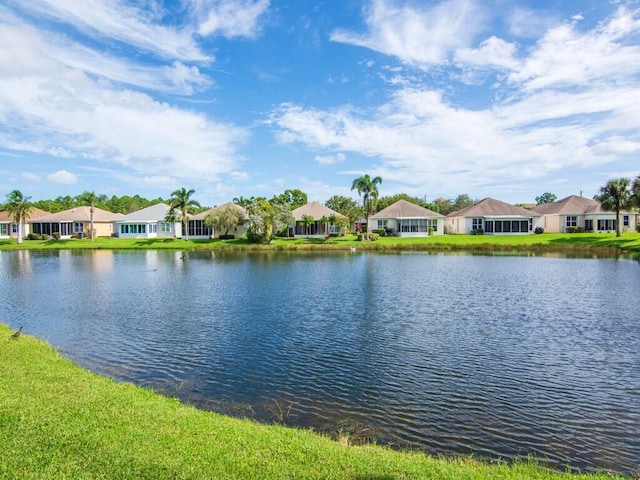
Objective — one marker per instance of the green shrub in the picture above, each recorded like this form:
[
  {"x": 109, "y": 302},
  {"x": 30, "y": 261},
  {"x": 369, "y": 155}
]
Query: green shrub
[
  {"x": 359, "y": 237},
  {"x": 227, "y": 237},
  {"x": 575, "y": 230},
  {"x": 380, "y": 232},
  {"x": 373, "y": 237},
  {"x": 56, "y": 235}
]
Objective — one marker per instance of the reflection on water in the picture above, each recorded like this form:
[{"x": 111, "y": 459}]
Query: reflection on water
[{"x": 495, "y": 356}]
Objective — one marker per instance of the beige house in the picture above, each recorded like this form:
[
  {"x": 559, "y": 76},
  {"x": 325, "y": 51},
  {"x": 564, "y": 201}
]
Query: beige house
[
  {"x": 197, "y": 228},
  {"x": 76, "y": 223},
  {"x": 492, "y": 217},
  {"x": 321, "y": 226},
  {"x": 406, "y": 219},
  {"x": 574, "y": 212},
  {"x": 9, "y": 229}
]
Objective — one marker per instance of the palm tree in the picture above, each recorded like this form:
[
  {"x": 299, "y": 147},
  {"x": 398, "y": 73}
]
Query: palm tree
[
  {"x": 368, "y": 189},
  {"x": 181, "y": 201},
  {"x": 615, "y": 195},
  {"x": 20, "y": 208},
  {"x": 307, "y": 221}
]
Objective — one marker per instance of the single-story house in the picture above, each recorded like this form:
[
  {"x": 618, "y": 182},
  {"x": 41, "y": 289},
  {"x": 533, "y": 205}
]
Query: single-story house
[
  {"x": 75, "y": 222},
  {"x": 147, "y": 222},
  {"x": 9, "y": 229},
  {"x": 197, "y": 228},
  {"x": 321, "y": 226},
  {"x": 576, "y": 212},
  {"x": 492, "y": 217},
  {"x": 406, "y": 219}
]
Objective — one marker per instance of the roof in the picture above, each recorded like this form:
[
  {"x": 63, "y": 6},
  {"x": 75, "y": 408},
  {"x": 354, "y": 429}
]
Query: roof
[
  {"x": 153, "y": 213},
  {"x": 202, "y": 215},
  {"x": 35, "y": 213},
  {"x": 405, "y": 209},
  {"x": 490, "y": 207},
  {"x": 78, "y": 214},
  {"x": 315, "y": 210},
  {"x": 571, "y": 205}
]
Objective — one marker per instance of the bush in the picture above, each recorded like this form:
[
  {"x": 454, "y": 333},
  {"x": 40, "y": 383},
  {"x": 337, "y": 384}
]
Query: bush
[
  {"x": 33, "y": 236},
  {"x": 575, "y": 230},
  {"x": 373, "y": 237},
  {"x": 538, "y": 230},
  {"x": 56, "y": 235},
  {"x": 359, "y": 237},
  {"x": 477, "y": 231},
  {"x": 227, "y": 237},
  {"x": 380, "y": 232}
]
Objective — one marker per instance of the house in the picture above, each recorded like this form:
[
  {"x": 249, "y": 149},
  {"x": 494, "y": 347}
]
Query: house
[
  {"x": 9, "y": 229},
  {"x": 147, "y": 222},
  {"x": 576, "y": 213},
  {"x": 406, "y": 219},
  {"x": 321, "y": 226},
  {"x": 75, "y": 222},
  {"x": 492, "y": 217},
  {"x": 197, "y": 228}
]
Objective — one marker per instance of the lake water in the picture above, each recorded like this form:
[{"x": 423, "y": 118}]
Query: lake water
[{"x": 494, "y": 356}]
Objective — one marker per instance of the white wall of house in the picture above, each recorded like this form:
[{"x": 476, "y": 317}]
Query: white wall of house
[
  {"x": 411, "y": 227},
  {"x": 147, "y": 229}
]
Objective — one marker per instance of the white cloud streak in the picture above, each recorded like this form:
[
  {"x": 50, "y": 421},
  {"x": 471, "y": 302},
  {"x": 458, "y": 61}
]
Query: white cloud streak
[{"x": 568, "y": 102}]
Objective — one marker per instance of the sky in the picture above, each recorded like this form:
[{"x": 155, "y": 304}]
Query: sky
[{"x": 506, "y": 99}]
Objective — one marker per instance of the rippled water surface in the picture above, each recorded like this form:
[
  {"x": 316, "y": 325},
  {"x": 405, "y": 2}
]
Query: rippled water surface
[{"x": 494, "y": 356}]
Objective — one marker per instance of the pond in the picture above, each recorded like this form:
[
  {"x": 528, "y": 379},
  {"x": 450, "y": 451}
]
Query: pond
[{"x": 490, "y": 356}]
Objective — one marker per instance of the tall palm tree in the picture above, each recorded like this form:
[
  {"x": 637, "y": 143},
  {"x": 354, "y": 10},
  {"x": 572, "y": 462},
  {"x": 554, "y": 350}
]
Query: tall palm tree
[
  {"x": 20, "y": 208},
  {"x": 181, "y": 201},
  {"x": 616, "y": 195},
  {"x": 368, "y": 188}
]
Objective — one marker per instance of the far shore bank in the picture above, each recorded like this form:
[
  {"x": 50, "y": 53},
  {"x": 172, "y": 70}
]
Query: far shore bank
[{"x": 580, "y": 243}]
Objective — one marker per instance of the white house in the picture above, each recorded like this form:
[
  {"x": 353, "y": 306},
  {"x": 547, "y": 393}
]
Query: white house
[
  {"x": 197, "y": 228},
  {"x": 406, "y": 219},
  {"x": 147, "y": 222},
  {"x": 321, "y": 226}
]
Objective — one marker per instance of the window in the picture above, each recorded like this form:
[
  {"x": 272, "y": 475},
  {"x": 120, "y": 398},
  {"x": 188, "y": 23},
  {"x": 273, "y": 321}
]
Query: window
[
  {"x": 488, "y": 226},
  {"x": 476, "y": 224},
  {"x": 625, "y": 220},
  {"x": 153, "y": 228},
  {"x": 571, "y": 221},
  {"x": 165, "y": 227},
  {"x": 588, "y": 225},
  {"x": 14, "y": 228},
  {"x": 78, "y": 227},
  {"x": 4, "y": 229},
  {"x": 607, "y": 225},
  {"x": 383, "y": 223}
]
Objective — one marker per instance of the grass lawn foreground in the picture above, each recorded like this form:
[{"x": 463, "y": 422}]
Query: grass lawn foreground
[{"x": 58, "y": 420}]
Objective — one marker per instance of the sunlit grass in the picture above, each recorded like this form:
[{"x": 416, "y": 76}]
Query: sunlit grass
[
  {"x": 58, "y": 421},
  {"x": 579, "y": 242}
]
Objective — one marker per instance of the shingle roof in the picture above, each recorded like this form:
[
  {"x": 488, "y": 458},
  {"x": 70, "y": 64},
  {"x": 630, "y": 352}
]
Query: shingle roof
[
  {"x": 202, "y": 215},
  {"x": 35, "y": 213},
  {"x": 314, "y": 209},
  {"x": 78, "y": 214},
  {"x": 405, "y": 209},
  {"x": 153, "y": 213},
  {"x": 490, "y": 207},
  {"x": 571, "y": 205}
]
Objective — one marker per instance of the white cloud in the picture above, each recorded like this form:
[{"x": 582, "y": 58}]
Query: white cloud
[
  {"x": 565, "y": 57},
  {"x": 528, "y": 23},
  {"x": 62, "y": 176},
  {"x": 571, "y": 102},
  {"x": 119, "y": 21},
  {"x": 62, "y": 104},
  {"x": 31, "y": 177},
  {"x": 237, "y": 18},
  {"x": 330, "y": 159},
  {"x": 417, "y": 34}
]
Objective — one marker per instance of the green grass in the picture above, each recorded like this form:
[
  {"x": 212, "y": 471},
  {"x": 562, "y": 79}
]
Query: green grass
[
  {"x": 606, "y": 243},
  {"x": 58, "y": 421}
]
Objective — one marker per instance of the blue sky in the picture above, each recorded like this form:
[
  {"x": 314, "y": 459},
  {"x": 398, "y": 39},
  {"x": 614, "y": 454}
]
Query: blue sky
[{"x": 494, "y": 98}]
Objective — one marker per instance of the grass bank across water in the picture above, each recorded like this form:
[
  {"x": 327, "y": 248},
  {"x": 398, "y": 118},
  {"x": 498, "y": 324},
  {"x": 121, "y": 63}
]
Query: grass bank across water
[
  {"x": 582, "y": 243},
  {"x": 58, "y": 420}
]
